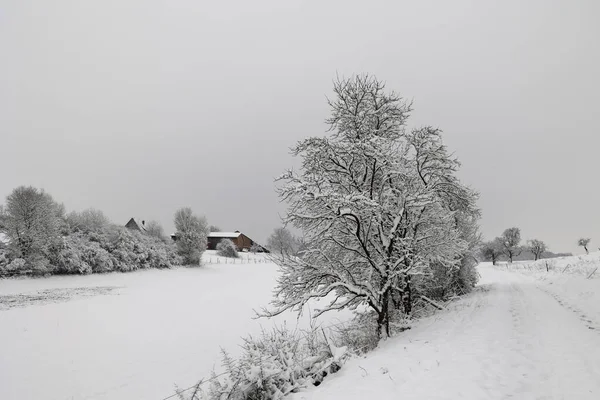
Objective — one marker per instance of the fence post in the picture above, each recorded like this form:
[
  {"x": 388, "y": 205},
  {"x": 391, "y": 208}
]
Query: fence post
[{"x": 590, "y": 275}]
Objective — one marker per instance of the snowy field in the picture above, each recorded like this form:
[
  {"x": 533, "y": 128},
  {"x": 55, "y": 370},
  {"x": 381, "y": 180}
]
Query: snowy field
[
  {"x": 129, "y": 336},
  {"x": 515, "y": 337}
]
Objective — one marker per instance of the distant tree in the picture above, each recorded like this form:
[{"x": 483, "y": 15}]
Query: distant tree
[
  {"x": 155, "y": 229},
  {"x": 226, "y": 248},
  {"x": 492, "y": 250},
  {"x": 583, "y": 242},
  {"x": 192, "y": 232},
  {"x": 32, "y": 221},
  {"x": 283, "y": 242},
  {"x": 214, "y": 228},
  {"x": 510, "y": 242},
  {"x": 90, "y": 220},
  {"x": 537, "y": 247}
]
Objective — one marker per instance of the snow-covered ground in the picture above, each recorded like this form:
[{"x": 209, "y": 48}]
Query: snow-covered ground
[
  {"x": 512, "y": 338},
  {"x": 572, "y": 281},
  {"x": 524, "y": 333},
  {"x": 129, "y": 336}
]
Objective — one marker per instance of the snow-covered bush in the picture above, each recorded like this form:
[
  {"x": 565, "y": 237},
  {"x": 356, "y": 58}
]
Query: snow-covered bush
[
  {"x": 132, "y": 250},
  {"x": 66, "y": 257},
  {"x": 39, "y": 265},
  {"x": 226, "y": 248},
  {"x": 359, "y": 334},
  {"x": 271, "y": 366},
  {"x": 113, "y": 249},
  {"x": 18, "y": 264},
  {"x": 4, "y": 261}
]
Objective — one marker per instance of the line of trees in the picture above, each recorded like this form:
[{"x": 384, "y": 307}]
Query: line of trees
[
  {"x": 508, "y": 246},
  {"x": 384, "y": 218},
  {"x": 43, "y": 238}
]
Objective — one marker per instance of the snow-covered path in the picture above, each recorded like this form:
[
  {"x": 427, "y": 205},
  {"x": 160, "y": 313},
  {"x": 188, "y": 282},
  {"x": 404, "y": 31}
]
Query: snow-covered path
[{"x": 509, "y": 339}]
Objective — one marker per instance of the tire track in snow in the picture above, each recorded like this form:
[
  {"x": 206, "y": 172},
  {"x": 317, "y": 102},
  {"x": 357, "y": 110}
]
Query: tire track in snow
[
  {"x": 588, "y": 322},
  {"x": 562, "y": 354}
]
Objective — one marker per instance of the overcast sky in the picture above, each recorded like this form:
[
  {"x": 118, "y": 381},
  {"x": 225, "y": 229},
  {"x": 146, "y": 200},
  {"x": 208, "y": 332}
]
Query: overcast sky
[{"x": 138, "y": 107}]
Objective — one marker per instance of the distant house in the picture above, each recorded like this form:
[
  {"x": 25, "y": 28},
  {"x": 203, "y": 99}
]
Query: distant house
[
  {"x": 136, "y": 225},
  {"x": 241, "y": 241}
]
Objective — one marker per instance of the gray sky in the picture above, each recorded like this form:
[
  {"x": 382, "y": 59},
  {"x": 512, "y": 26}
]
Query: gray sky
[{"x": 138, "y": 107}]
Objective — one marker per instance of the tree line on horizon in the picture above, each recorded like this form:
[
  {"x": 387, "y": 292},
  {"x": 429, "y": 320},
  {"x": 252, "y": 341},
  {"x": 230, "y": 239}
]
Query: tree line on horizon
[{"x": 508, "y": 246}]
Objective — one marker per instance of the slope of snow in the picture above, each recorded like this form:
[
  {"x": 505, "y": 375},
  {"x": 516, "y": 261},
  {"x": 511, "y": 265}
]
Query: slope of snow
[
  {"x": 508, "y": 339},
  {"x": 129, "y": 336}
]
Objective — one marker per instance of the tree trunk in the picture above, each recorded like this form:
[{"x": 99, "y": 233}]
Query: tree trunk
[
  {"x": 407, "y": 297},
  {"x": 383, "y": 319},
  {"x": 535, "y": 257},
  {"x": 586, "y": 250}
]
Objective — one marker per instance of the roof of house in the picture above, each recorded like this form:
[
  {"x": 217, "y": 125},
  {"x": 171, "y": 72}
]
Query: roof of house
[
  {"x": 224, "y": 234},
  {"x": 141, "y": 226}
]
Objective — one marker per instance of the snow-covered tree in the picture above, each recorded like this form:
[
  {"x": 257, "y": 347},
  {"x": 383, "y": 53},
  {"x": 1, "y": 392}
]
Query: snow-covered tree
[
  {"x": 192, "y": 232},
  {"x": 511, "y": 238},
  {"x": 491, "y": 251},
  {"x": 583, "y": 242},
  {"x": 537, "y": 247},
  {"x": 155, "y": 229},
  {"x": 214, "y": 228},
  {"x": 283, "y": 242},
  {"x": 90, "y": 220},
  {"x": 32, "y": 221},
  {"x": 226, "y": 248},
  {"x": 377, "y": 205}
]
